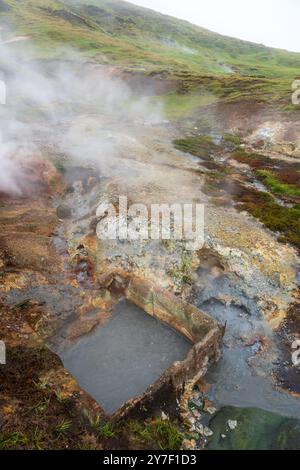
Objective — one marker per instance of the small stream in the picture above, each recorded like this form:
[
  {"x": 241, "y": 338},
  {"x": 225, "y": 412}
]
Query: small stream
[{"x": 243, "y": 377}]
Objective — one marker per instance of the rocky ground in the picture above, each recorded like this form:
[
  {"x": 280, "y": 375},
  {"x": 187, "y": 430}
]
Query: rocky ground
[{"x": 245, "y": 275}]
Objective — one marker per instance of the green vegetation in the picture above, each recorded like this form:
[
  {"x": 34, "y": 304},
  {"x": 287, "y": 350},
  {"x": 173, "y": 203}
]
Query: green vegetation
[
  {"x": 199, "y": 146},
  {"x": 233, "y": 140},
  {"x": 42, "y": 406},
  {"x": 277, "y": 218},
  {"x": 60, "y": 397},
  {"x": 182, "y": 272},
  {"x": 276, "y": 186},
  {"x": 180, "y": 106},
  {"x": 107, "y": 430},
  {"x": 131, "y": 34},
  {"x": 63, "y": 427},
  {"x": 37, "y": 439},
  {"x": 13, "y": 440},
  {"x": 253, "y": 159},
  {"x": 201, "y": 66},
  {"x": 282, "y": 181},
  {"x": 158, "y": 433}
]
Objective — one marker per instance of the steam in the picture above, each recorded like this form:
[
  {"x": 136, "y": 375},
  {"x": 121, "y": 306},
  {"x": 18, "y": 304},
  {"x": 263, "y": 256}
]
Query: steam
[
  {"x": 9, "y": 173},
  {"x": 72, "y": 106}
]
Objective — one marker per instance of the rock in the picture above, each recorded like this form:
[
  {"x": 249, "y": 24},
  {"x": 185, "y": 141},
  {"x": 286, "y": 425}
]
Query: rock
[
  {"x": 204, "y": 430},
  {"x": 207, "y": 432},
  {"x": 191, "y": 421},
  {"x": 200, "y": 429},
  {"x": 189, "y": 444},
  {"x": 232, "y": 424},
  {"x": 164, "y": 416},
  {"x": 63, "y": 211},
  {"x": 196, "y": 413},
  {"x": 197, "y": 402},
  {"x": 211, "y": 410}
]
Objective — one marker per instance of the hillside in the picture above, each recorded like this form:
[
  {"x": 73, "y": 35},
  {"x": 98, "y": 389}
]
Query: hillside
[
  {"x": 195, "y": 67},
  {"x": 117, "y": 31}
]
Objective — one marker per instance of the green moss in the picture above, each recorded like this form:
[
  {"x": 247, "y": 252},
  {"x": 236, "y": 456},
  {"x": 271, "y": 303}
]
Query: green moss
[
  {"x": 200, "y": 146},
  {"x": 277, "y": 186},
  {"x": 182, "y": 272},
  {"x": 252, "y": 159},
  {"x": 232, "y": 139},
  {"x": 179, "y": 106},
  {"x": 277, "y": 218}
]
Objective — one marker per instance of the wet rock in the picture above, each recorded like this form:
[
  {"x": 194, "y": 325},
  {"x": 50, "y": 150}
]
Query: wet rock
[
  {"x": 189, "y": 444},
  {"x": 232, "y": 424},
  {"x": 196, "y": 414},
  {"x": 63, "y": 212},
  {"x": 192, "y": 422},
  {"x": 211, "y": 410},
  {"x": 204, "y": 430}
]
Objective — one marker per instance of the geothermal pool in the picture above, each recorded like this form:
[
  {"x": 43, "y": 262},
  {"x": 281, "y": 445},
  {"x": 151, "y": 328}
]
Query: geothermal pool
[{"x": 119, "y": 360}]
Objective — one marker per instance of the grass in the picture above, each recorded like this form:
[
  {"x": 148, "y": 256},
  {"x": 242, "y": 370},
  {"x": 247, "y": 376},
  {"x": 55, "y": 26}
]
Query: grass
[
  {"x": 13, "y": 440},
  {"x": 42, "y": 406},
  {"x": 63, "y": 427},
  {"x": 199, "y": 146},
  {"x": 43, "y": 384},
  {"x": 131, "y": 35},
  {"x": 37, "y": 439},
  {"x": 277, "y": 186},
  {"x": 161, "y": 434},
  {"x": 177, "y": 106},
  {"x": 282, "y": 181},
  {"x": 112, "y": 31},
  {"x": 60, "y": 397},
  {"x": 233, "y": 140},
  {"x": 253, "y": 159},
  {"x": 107, "y": 431}
]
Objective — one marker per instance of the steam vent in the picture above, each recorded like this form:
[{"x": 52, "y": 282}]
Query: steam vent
[{"x": 151, "y": 342}]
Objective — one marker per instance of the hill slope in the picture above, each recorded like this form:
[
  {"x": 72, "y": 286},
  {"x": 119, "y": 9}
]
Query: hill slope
[
  {"x": 121, "y": 32},
  {"x": 200, "y": 66}
]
